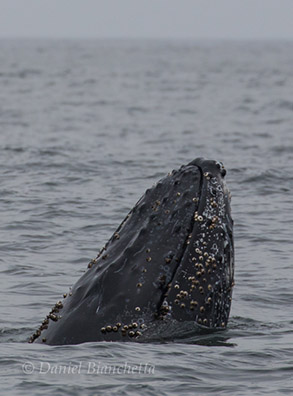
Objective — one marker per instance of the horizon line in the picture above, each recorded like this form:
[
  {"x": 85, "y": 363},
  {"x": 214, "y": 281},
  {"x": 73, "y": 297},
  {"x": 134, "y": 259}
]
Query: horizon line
[{"x": 158, "y": 38}]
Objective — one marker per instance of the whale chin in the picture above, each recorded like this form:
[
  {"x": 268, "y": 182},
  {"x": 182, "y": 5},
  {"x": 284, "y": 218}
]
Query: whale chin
[{"x": 168, "y": 267}]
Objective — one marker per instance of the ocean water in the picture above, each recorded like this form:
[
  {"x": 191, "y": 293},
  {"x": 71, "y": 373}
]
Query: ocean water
[{"x": 85, "y": 128}]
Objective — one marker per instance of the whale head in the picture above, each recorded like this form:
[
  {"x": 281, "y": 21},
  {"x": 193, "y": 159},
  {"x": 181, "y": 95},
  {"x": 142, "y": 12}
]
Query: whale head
[{"x": 172, "y": 258}]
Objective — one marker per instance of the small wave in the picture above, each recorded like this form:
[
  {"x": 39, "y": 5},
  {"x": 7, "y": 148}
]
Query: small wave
[
  {"x": 270, "y": 175},
  {"x": 21, "y": 73},
  {"x": 285, "y": 104},
  {"x": 14, "y": 149},
  {"x": 21, "y": 334},
  {"x": 282, "y": 149},
  {"x": 264, "y": 135},
  {"x": 136, "y": 109},
  {"x": 275, "y": 121}
]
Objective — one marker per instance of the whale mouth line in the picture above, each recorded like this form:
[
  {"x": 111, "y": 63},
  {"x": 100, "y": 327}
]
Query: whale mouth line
[{"x": 184, "y": 245}]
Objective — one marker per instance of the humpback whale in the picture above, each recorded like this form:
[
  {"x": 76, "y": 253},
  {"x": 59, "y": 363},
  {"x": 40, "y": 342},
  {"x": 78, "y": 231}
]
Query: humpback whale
[{"x": 168, "y": 266}]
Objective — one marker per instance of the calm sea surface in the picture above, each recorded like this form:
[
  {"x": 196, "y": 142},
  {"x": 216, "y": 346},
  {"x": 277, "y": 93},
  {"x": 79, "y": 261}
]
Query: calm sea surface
[{"x": 85, "y": 128}]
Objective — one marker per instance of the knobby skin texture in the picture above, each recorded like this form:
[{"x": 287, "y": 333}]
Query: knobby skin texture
[{"x": 171, "y": 260}]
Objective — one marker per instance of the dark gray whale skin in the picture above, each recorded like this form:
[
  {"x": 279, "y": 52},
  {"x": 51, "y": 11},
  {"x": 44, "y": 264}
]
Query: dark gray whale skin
[{"x": 171, "y": 259}]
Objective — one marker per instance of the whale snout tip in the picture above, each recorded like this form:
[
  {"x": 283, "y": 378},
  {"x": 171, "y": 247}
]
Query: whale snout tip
[{"x": 209, "y": 165}]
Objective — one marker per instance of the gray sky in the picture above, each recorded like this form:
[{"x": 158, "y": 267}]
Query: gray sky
[{"x": 244, "y": 19}]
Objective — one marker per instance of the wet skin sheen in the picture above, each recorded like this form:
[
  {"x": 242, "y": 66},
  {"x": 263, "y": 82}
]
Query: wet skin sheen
[{"x": 171, "y": 260}]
